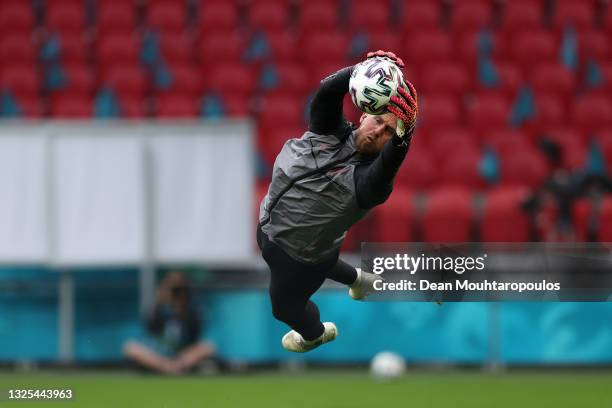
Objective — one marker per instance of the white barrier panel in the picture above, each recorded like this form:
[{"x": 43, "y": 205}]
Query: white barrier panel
[
  {"x": 112, "y": 193},
  {"x": 201, "y": 191},
  {"x": 98, "y": 197},
  {"x": 23, "y": 196}
]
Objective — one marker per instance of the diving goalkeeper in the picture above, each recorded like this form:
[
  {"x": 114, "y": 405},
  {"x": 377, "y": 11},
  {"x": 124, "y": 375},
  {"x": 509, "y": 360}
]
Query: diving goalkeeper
[{"x": 322, "y": 184}]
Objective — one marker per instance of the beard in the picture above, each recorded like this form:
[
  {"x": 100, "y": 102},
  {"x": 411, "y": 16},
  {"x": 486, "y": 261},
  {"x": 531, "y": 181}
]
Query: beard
[{"x": 366, "y": 146}]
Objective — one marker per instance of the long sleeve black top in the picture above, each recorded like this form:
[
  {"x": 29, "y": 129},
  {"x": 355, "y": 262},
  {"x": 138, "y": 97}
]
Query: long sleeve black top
[{"x": 374, "y": 179}]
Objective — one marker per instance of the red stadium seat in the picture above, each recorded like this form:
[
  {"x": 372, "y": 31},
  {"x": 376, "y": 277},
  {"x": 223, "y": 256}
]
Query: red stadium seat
[
  {"x": 593, "y": 43},
  {"x": 510, "y": 79},
  {"x": 176, "y": 105},
  {"x": 582, "y": 213},
  {"x": 230, "y": 79},
  {"x": 16, "y": 17},
  {"x": 126, "y": 80},
  {"x": 280, "y": 110},
  {"x": 424, "y": 47},
  {"x": 606, "y": 72},
  {"x": 488, "y": 111},
  {"x": 592, "y": 111},
  {"x": 333, "y": 45},
  {"x": 522, "y": 15},
  {"x": 167, "y": 16},
  {"x": 65, "y": 16},
  {"x": 132, "y": 108},
  {"x": 268, "y": 16},
  {"x": 460, "y": 169},
  {"x": 576, "y": 13},
  {"x": 31, "y": 107},
  {"x": 553, "y": 78},
  {"x": 221, "y": 47},
  {"x": 176, "y": 48},
  {"x": 439, "y": 110},
  {"x": 605, "y": 220},
  {"x": 120, "y": 47},
  {"x": 365, "y": 16},
  {"x": 17, "y": 48},
  {"x": 444, "y": 77},
  {"x": 421, "y": 15},
  {"x": 525, "y": 168},
  {"x": 79, "y": 78},
  {"x": 384, "y": 40},
  {"x": 381, "y": 3},
  {"x": 186, "y": 79},
  {"x": 603, "y": 137},
  {"x": 236, "y": 105},
  {"x": 507, "y": 142},
  {"x": 318, "y": 16},
  {"x": 448, "y": 216},
  {"x": 471, "y": 15},
  {"x": 105, "y": 3},
  {"x": 393, "y": 220},
  {"x": 503, "y": 219},
  {"x": 419, "y": 171},
  {"x": 574, "y": 155},
  {"x": 21, "y": 79},
  {"x": 534, "y": 45},
  {"x": 283, "y": 46},
  {"x": 445, "y": 140},
  {"x": 607, "y": 19},
  {"x": 292, "y": 78},
  {"x": 219, "y": 17},
  {"x": 73, "y": 48},
  {"x": 116, "y": 15},
  {"x": 468, "y": 45},
  {"x": 551, "y": 110},
  {"x": 72, "y": 106}
]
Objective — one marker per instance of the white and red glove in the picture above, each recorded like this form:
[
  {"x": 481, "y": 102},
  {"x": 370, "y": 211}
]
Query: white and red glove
[
  {"x": 405, "y": 107},
  {"x": 386, "y": 54}
]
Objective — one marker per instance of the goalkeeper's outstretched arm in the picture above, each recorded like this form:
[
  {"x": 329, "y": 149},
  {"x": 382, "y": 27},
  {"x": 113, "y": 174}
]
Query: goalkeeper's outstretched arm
[
  {"x": 326, "y": 116},
  {"x": 374, "y": 181}
]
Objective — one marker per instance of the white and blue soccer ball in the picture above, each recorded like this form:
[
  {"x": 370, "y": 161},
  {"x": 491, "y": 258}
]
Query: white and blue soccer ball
[
  {"x": 372, "y": 84},
  {"x": 387, "y": 365}
]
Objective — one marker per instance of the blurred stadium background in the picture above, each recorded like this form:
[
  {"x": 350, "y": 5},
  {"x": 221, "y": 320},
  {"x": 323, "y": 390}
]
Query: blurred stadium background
[{"x": 495, "y": 79}]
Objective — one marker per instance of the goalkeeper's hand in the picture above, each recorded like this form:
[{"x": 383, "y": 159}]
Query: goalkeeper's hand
[
  {"x": 386, "y": 54},
  {"x": 405, "y": 107}
]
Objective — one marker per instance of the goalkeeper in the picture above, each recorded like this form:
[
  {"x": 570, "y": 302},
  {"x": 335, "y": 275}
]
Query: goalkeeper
[{"x": 322, "y": 184}]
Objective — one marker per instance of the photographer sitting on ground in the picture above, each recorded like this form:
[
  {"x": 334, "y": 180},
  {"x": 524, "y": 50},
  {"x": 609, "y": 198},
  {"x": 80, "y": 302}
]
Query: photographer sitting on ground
[{"x": 172, "y": 344}]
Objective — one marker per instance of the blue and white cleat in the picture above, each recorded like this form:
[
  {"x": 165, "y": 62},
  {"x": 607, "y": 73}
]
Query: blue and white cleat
[{"x": 293, "y": 341}]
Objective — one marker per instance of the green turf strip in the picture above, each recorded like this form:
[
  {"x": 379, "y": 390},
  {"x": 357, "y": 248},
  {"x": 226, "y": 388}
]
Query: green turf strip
[{"x": 326, "y": 389}]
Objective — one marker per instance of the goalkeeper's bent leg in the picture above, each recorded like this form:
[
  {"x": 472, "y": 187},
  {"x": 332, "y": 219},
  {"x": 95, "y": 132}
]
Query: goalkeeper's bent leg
[{"x": 343, "y": 273}]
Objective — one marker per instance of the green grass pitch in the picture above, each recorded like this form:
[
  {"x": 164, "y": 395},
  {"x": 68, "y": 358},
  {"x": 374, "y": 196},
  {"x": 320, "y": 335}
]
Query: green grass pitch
[{"x": 350, "y": 389}]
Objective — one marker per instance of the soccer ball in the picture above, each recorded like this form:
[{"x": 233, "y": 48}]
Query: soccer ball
[
  {"x": 387, "y": 365},
  {"x": 372, "y": 84}
]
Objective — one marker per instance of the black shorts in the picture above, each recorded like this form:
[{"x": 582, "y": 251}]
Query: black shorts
[{"x": 278, "y": 260}]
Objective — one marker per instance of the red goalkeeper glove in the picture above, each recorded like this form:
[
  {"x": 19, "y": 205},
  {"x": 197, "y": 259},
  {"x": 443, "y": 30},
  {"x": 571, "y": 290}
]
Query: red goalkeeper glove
[
  {"x": 405, "y": 107},
  {"x": 386, "y": 54}
]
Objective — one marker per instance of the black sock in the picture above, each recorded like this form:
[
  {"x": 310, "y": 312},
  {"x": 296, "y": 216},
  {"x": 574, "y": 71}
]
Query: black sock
[
  {"x": 343, "y": 273},
  {"x": 310, "y": 327}
]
